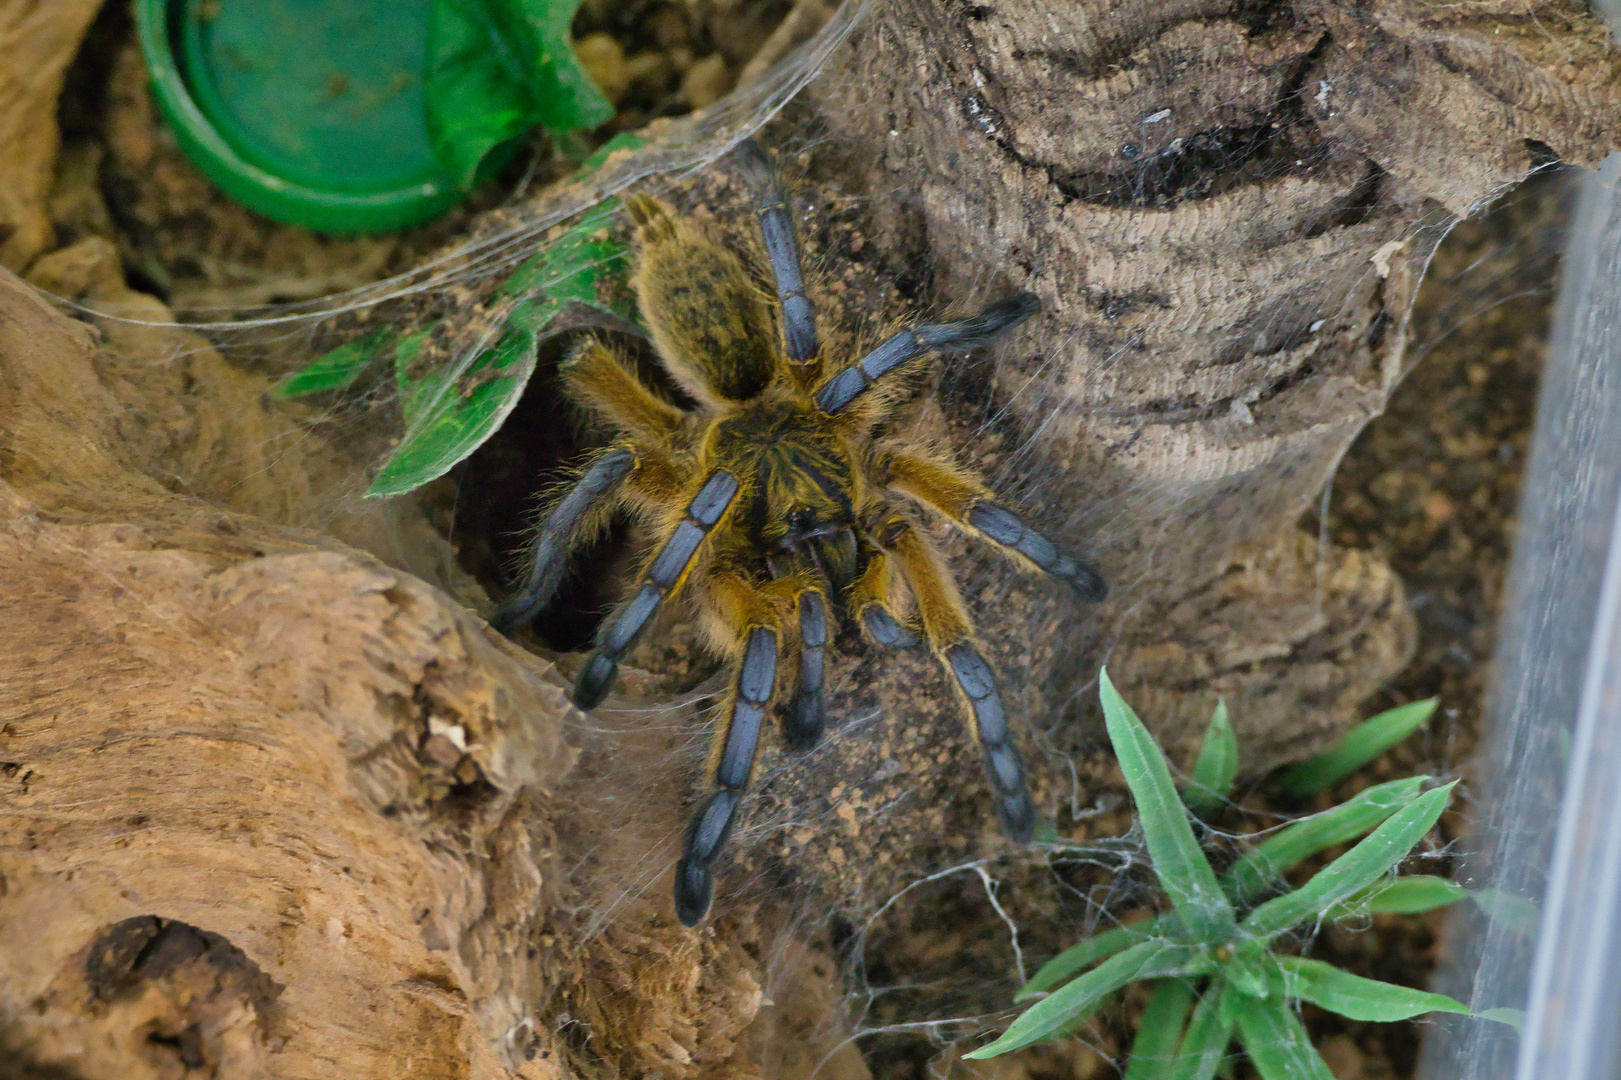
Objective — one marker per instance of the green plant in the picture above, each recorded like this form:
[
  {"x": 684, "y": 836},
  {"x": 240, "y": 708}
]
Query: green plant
[
  {"x": 449, "y": 411},
  {"x": 1360, "y": 745},
  {"x": 497, "y": 68},
  {"x": 1211, "y": 958}
]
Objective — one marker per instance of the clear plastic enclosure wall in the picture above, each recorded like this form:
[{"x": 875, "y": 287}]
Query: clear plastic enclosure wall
[{"x": 1545, "y": 851}]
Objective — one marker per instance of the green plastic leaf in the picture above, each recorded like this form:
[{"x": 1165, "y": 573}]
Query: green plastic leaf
[
  {"x": 1081, "y": 998},
  {"x": 1277, "y": 1043},
  {"x": 448, "y": 415},
  {"x": 1217, "y": 767},
  {"x": 1183, "y": 871},
  {"x": 446, "y": 419},
  {"x": 625, "y": 140},
  {"x": 1204, "y": 1045},
  {"x": 1267, "y": 862},
  {"x": 1355, "y": 870},
  {"x": 585, "y": 265},
  {"x": 495, "y": 69},
  {"x": 335, "y": 368},
  {"x": 1353, "y": 996},
  {"x": 1077, "y": 958},
  {"x": 1365, "y": 742},
  {"x": 1159, "y": 1034},
  {"x": 1401, "y": 896}
]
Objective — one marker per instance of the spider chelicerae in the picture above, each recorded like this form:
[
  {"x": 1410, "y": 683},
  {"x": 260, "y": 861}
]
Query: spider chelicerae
[{"x": 778, "y": 503}]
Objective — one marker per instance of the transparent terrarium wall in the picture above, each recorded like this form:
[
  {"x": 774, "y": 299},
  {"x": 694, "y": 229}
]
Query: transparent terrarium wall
[{"x": 1546, "y": 849}]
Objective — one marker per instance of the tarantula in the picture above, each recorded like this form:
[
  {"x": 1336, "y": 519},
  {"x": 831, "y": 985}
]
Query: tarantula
[{"x": 778, "y": 504}]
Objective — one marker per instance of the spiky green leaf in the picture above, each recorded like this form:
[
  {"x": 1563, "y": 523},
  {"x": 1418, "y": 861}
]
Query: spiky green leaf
[
  {"x": 1267, "y": 862},
  {"x": 1401, "y": 896},
  {"x": 1277, "y": 1043},
  {"x": 1204, "y": 1044},
  {"x": 1365, "y": 742},
  {"x": 1352, "y": 996},
  {"x": 1077, "y": 958},
  {"x": 1145, "y": 960},
  {"x": 1354, "y": 871},
  {"x": 1183, "y": 871},
  {"x": 1159, "y": 1033},
  {"x": 1217, "y": 767}
]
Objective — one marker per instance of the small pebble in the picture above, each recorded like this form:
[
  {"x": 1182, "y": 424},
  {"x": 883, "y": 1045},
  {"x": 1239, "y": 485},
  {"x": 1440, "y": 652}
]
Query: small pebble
[{"x": 706, "y": 81}]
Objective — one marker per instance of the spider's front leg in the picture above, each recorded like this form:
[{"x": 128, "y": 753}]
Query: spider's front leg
[
  {"x": 950, "y": 634},
  {"x": 958, "y": 495},
  {"x": 748, "y": 614},
  {"x": 661, "y": 578}
]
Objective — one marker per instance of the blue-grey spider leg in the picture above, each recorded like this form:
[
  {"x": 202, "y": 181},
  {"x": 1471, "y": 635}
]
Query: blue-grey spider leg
[
  {"x": 1004, "y": 768},
  {"x": 777, "y": 230},
  {"x": 558, "y": 534},
  {"x": 1002, "y": 525},
  {"x": 837, "y": 393},
  {"x": 807, "y": 712},
  {"x": 739, "y": 739},
  {"x": 621, "y": 629}
]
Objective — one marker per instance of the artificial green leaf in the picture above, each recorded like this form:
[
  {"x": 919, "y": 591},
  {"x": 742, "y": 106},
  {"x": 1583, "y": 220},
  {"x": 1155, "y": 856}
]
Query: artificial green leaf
[
  {"x": 335, "y": 368},
  {"x": 1180, "y": 865},
  {"x": 496, "y": 68},
  {"x": 1217, "y": 767},
  {"x": 1353, "y": 996},
  {"x": 1080, "y": 998},
  {"x": 1267, "y": 862},
  {"x": 1401, "y": 896},
  {"x": 585, "y": 265},
  {"x": 1365, "y": 742},
  {"x": 1077, "y": 958},
  {"x": 1277, "y": 1043},
  {"x": 1204, "y": 1045},
  {"x": 1355, "y": 870},
  {"x": 446, "y": 419},
  {"x": 1159, "y": 1032},
  {"x": 625, "y": 140},
  {"x": 449, "y": 414}
]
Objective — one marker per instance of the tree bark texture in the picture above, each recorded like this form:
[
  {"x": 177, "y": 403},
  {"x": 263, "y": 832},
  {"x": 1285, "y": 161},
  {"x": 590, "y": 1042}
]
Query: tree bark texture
[{"x": 274, "y": 801}]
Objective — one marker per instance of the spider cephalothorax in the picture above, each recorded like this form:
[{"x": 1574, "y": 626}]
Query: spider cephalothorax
[{"x": 778, "y": 504}]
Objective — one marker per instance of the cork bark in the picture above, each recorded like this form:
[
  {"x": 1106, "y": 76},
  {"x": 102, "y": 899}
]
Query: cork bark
[{"x": 275, "y": 801}]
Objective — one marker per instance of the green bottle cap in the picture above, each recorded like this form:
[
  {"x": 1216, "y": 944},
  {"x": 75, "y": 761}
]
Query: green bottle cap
[{"x": 308, "y": 111}]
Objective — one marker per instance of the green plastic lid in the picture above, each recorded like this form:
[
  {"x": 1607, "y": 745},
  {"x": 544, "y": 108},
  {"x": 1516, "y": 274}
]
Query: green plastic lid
[{"x": 308, "y": 111}]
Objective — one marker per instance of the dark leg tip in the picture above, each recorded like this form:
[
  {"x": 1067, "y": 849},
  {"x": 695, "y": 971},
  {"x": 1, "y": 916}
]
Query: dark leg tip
[
  {"x": 511, "y": 615},
  {"x": 1082, "y": 577},
  {"x": 805, "y": 722},
  {"x": 1018, "y": 816},
  {"x": 595, "y": 680},
  {"x": 691, "y": 891}
]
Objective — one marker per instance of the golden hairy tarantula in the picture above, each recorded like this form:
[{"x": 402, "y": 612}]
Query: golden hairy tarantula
[{"x": 778, "y": 503}]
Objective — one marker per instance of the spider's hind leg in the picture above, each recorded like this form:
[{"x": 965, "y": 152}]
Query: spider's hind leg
[
  {"x": 958, "y": 494},
  {"x": 755, "y": 630},
  {"x": 950, "y": 635}
]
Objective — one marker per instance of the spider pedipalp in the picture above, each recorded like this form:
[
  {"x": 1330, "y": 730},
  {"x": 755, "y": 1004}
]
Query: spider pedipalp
[{"x": 779, "y": 503}]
